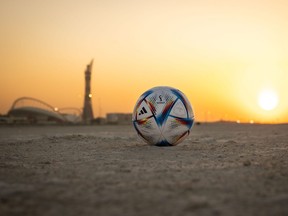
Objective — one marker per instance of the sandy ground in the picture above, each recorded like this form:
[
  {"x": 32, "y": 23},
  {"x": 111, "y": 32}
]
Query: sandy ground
[{"x": 220, "y": 169}]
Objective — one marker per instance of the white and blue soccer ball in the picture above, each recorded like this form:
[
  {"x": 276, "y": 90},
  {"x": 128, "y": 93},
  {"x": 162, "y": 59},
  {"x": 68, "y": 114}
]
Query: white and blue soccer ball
[{"x": 163, "y": 116}]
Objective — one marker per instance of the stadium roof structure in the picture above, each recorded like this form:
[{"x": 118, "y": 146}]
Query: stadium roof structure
[{"x": 33, "y": 110}]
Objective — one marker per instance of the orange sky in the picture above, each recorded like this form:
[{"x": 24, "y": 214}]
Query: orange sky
[{"x": 221, "y": 54}]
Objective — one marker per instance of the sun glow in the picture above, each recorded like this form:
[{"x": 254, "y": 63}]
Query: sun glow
[{"x": 268, "y": 100}]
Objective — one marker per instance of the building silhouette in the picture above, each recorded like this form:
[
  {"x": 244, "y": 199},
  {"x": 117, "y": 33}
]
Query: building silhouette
[
  {"x": 87, "y": 114},
  {"x": 28, "y": 110}
]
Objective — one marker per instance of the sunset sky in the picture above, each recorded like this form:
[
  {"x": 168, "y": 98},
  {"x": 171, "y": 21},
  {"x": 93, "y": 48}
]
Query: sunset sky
[{"x": 222, "y": 54}]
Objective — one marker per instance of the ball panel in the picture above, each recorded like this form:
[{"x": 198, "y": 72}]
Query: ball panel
[
  {"x": 185, "y": 101},
  {"x": 148, "y": 130},
  {"x": 142, "y": 111},
  {"x": 179, "y": 110},
  {"x": 158, "y": 101},
  {"x": 175, "y": 128},
  {"x": 182, "y": 137}
]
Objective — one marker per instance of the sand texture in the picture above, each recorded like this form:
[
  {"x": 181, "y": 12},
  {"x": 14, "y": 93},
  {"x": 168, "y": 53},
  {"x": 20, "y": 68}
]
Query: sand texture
[{"x": 220, "y": 169}]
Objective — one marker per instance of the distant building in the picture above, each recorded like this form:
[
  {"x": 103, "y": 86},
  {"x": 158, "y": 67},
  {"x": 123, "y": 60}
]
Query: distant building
[
  {"x": 99, "y": 121},
  {"x": 87, "y": 114},
  {"x": 119, "y": 118}
]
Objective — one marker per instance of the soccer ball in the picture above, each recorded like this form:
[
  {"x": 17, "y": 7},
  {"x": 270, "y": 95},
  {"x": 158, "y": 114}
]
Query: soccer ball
[{"x": 163, "y": 116}]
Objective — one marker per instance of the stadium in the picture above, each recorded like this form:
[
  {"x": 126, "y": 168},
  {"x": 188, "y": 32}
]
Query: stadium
[{"x": 32, "y": 110}]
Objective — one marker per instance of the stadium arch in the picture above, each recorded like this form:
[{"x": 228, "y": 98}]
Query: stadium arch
[{"x": 32, "y": 110}]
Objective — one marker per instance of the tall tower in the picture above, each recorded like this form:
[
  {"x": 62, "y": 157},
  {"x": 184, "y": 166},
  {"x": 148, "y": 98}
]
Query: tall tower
[{"x": 87, "y": 114}]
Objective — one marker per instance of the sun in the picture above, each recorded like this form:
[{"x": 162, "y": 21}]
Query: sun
[{"x": 268, "y": 100}]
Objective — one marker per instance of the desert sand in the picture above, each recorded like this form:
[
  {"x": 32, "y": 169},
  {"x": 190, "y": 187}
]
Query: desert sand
[{"x": 220, "y": 169}]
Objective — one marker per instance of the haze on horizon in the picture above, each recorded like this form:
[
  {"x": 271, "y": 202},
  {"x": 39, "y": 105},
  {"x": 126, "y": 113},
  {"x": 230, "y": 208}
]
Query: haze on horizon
[{"x": 222, "y": 54}]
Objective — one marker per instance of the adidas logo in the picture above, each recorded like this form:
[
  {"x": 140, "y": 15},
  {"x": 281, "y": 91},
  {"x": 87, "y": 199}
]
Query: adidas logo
[{"x": 143, "y": 111}]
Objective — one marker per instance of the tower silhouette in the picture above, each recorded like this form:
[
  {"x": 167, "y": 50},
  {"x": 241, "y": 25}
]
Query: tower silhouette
[{"x": 87, "y": 114}]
